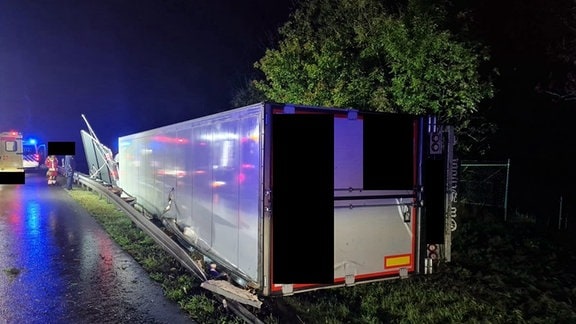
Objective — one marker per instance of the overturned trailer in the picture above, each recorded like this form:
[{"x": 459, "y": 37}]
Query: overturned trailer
[{"x": 291, "y": 198}]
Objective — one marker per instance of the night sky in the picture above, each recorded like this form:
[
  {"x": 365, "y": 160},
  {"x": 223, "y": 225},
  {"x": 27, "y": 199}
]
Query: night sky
[
  {"x": 131, "y": 66},
  {"x": 128, "y": 66}
]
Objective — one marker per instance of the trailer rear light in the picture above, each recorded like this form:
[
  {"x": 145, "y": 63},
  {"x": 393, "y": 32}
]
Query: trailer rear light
[{"x": 433, "y": 251}]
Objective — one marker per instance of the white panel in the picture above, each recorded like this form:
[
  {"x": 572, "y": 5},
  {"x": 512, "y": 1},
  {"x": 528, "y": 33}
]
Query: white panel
[
  {"x": 364, "y": 236},
  {"x": 215, "y": 179},
  {"x": 348, "y": 153}
]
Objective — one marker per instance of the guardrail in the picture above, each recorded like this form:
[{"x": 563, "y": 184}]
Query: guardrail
[{"x": 113, "y": 196}]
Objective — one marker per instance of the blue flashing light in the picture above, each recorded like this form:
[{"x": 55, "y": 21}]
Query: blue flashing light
[{"x": 30, "y": 141}]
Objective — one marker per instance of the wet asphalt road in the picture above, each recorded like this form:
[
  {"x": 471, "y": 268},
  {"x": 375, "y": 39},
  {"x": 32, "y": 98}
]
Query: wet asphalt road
[{"x": 59, "y": 266}]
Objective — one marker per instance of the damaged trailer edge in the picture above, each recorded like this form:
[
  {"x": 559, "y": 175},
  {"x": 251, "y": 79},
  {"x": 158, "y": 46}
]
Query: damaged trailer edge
[
  {"x": 101, "y": 164},
  {"x": 292, "y": 198}
]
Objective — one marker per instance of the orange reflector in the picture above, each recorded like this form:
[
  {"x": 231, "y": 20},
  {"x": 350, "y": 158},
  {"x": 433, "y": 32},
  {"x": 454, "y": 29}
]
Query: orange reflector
[{"x": 397, "y": 261}]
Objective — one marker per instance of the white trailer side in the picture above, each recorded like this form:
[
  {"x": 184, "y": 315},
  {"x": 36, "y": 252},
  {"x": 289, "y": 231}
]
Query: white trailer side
[
  {"x": 292, "y": 198},
  {"x": 214, "y": 166}
]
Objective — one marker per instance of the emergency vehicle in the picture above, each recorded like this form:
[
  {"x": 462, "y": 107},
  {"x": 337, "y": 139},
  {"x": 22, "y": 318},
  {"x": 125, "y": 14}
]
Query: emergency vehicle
[
  {"x": 11, "y": 162},
  {"x": 11, "y": 151},
  {"x": 30, "y": 154}
]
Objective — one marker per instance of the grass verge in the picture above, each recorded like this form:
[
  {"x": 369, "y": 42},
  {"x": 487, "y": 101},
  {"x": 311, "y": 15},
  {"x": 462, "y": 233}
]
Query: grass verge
[{"x": 500, "y": 273}]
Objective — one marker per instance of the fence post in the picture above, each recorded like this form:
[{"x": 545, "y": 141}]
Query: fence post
[
  {"x": 506, "y": 190},
  {"x": 560, "y": 214}
]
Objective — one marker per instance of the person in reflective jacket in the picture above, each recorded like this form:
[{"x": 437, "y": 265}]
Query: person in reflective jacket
[
  {"x": 69, "y": 167},
  {"x": 52, "y": 165}
]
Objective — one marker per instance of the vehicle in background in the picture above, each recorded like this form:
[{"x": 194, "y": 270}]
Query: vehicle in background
[
  {"x": 11, "y": 158},
  {"x": 31, "y": 155}
]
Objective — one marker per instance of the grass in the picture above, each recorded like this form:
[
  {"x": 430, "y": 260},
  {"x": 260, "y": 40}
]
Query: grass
[
  {"x": 500, "y": 273},
  {"x": 178, "y": 284}
]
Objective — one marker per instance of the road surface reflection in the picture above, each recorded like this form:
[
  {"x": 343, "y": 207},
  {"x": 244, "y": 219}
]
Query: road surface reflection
[{"x": 59, "y": 266}]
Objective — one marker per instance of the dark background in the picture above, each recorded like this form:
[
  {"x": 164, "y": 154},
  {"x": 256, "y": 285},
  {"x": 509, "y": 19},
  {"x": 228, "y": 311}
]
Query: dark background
[
  {"x": 131, "y": 66},
  {"x": 128, "y": 66}
]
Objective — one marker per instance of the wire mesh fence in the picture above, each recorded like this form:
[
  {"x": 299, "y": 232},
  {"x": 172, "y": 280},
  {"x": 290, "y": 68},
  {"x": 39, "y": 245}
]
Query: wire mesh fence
[
  {"x": 484, "y": 184},
  {"x": 484, "y": 188}
]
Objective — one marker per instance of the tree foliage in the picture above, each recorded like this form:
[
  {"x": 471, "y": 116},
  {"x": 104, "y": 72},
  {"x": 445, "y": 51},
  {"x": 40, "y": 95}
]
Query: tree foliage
[
  {"x": 532, "y": 43},
  {"x": 246, "y": 94},
  {"x": 356, "y": 53}
]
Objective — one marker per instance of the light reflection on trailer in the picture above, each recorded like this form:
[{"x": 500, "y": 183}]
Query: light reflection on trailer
[
  {"x": 215, "y": 176},
  {"x": 270, "y": 189}
]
